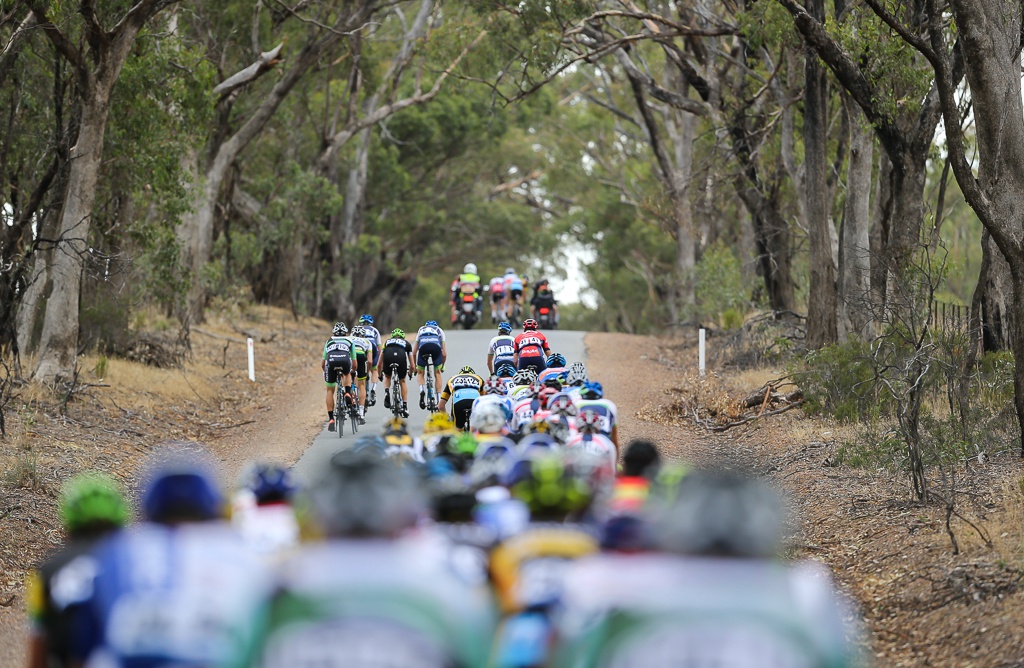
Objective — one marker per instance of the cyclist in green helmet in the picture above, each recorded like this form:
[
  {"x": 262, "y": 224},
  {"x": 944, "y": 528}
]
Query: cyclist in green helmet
[
  {"x": 91, "y": 506},
  {"x": 397, "y": 352}
]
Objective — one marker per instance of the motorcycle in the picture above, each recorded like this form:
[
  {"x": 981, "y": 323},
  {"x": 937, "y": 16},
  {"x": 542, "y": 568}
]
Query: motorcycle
[
  {"x": 545, "y": 318},
  {"x": 467, "y": 311}
]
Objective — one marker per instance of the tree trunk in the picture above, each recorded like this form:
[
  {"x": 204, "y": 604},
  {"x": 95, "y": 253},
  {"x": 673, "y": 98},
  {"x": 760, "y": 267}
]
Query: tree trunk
[
  {"x": 996, "y": 285},
  {"x": 855, "y": 247},
  {"x": 682, "y": 130},
  {"x": 58, "y": 343},
  {"x": 346, "y": 263},
  {"x": 882, "y": 214},
  {"x": 822, "y": 298}
]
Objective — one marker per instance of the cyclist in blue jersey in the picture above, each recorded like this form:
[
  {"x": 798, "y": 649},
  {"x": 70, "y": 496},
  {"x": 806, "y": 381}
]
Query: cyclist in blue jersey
[
  {"x": 338, "y": 363},
  {"x": 373, "y": 335},
  {"x": 502, "y": 348},
  {"x": 429, "y": 345}
]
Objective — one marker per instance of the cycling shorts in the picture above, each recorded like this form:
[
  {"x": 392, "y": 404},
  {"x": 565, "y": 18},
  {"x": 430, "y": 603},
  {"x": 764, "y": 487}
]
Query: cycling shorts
[
  {"x": 376, "y": 354},
  {"x": 361, "y": 367},
  {"x": 394, "y": 355},
  {"x": 516, "y": 294},
  {"x": 430, "y": 351},
  {"x": 535, "y": 363},
  {"x": 335, "y": 368},
  {"x": 497, "y": 297},
  {"x": 461, "y": 411}
]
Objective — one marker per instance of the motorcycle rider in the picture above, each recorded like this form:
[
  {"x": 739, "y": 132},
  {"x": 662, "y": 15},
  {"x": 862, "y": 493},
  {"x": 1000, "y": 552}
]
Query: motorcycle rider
[
  {"x": 467, "y": 283},
  {"x": 542, "y": 298}
]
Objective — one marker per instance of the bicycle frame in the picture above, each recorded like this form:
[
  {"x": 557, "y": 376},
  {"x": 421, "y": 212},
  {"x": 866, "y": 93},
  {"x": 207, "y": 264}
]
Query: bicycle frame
[{"x": 396, "y": 392}]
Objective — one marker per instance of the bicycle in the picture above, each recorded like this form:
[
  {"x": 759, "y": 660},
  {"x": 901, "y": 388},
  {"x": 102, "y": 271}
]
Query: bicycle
[
  {"x": 431, "y": 391},
  {"x": 353, "y": 408},
  {"x": 396, "y": 392},
  {"x": 339, "y": 408}
]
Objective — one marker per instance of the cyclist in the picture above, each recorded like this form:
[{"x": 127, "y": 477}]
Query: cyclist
[
  {"x": 338, "y": 360},
  {"x": 396, "y": 352},
  {"x": 590, "y": 439},
  {"x": 489, "y": 422},
  {"x": 429, "y": 346},
  {"x": 531, "y": 348},
  {"x": 592, "y": 398},
  {"x": 262, "y": 511},
  {"x": 401, "y": 446},
  {"x": 502, "y": 348},
  {"x": 371, "y": 333},
  {"x": 462, "y": 389},
  {"x": 364, "y": 356},
  {"x": 496, "y": 287},
  {"x": 467, "y": 283},
  {"x": 91, "y": 507},
  {"x": 714, "y": 591},
  {"x": 179, "y": 589},
  {"x": 555, "y": 364},
  {"x": 513, "y": 292},
  {"x": 506, "y": 372},
  {"x": 544, "y": 298},
  {"x": 371, "y": 593}
]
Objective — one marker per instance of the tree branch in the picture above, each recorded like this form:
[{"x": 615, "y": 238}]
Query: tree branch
[
  {"x": 266, "y": 61},
  {"x": 61, "y": 42}
]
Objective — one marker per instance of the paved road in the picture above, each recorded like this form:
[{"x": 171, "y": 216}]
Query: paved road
[{"x": 463, "y": 348}]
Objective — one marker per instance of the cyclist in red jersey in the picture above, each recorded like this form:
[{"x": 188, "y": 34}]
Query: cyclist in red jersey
[{"x": 531, "y": 348}]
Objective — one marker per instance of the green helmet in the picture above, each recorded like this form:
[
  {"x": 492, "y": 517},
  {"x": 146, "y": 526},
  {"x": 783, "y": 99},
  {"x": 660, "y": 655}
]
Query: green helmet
[
  {"x": 398, "y": 333},
  {"x": 464, "y": 444},
  {"x": 92, "y": 501}
]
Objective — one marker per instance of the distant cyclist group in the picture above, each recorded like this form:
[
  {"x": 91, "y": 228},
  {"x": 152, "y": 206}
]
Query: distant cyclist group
[
  {"x": 510, "y": 533},
  {"x": 507, "y": 296}
]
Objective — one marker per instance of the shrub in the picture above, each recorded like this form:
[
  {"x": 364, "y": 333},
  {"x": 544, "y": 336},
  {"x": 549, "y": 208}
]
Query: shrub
[{"x": 839, "y": 380}]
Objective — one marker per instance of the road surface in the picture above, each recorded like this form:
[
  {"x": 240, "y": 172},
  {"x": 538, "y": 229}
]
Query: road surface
[{"x": 464, "y": 347}]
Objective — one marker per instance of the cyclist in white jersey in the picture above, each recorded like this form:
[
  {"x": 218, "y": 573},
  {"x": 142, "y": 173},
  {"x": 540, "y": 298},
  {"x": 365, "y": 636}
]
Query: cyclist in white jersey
[
  {"x": 371, "y": 333},
  {"x": 502, "y": 348},
  {"x": 429, "y": 345}
]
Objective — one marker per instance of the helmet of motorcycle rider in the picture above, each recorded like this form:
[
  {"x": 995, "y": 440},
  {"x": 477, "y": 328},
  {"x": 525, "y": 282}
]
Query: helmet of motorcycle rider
[
  {"x": 361, "y": 495},
  {"x": 366, "y": 318},
  {"x": 592, "y": 390},
  {"x": 340, "y": 329},
  {"x": 556, "y": 361},
  {"x": 576, "y": 374},
  {"x": 269, "y": 483},
  {"x": 92, "y": 503},
  {"x": 529, "y": 325},
  {"x": 487, "y": 419},
  {"x": 720, "y": 513},
  {"x": 470, "y": 268},
  {"x": 494, "y": 385},
  {"x": 398, "y": 333},
  {"x": 504, "y": 328},
  {"x": 467, "y": 369}
]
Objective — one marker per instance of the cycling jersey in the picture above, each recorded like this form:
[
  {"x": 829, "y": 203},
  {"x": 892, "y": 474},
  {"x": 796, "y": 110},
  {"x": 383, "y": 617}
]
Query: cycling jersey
[
  {"x": 170, "y": 595},
  {"x": 605, "y": 409},
  {"x": 523, "y": 412},
  {"x": 373, "y": 602},
  {"x": 429, "y": 344},
  {"x": 549, "y": 373},
  {"x": 531, "y": 344},
  {"x": 269, "y": 530},
  {"x": 513, "y": 282},
  {"x": 596, "y": 444},
  {"x": 653, "y": 609},
  {"x": 396, "y": 352},
  {"x": 504, "y": 402},
  {"x": 503, "y": 349},
  {"x": 517, "y": 392},
  {"x": 463, "y": 386},
  {"x": 429, "y": 334},
  {"x": 373, "y": 336},
  {"x": 339, "y": 356},
  {"x": 497, "y": 286}
]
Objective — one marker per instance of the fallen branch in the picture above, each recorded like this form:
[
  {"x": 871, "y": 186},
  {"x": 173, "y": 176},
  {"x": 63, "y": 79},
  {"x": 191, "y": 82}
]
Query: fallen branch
[{"x": 737, "y": 423}]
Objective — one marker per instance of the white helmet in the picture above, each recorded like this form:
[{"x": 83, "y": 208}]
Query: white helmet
[
  {"x": 470, "y": 268},
  {"x": 510, "y": 272},
  {"x": 487, "y": 418}
]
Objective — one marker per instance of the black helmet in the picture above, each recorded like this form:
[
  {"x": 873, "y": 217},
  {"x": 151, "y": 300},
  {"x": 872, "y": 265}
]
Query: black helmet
[{"x": 340, "y": 329}]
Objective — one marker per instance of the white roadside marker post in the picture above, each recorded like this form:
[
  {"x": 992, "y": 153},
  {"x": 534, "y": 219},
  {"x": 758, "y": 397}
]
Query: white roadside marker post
[
  {"x": 252, "y": 361},
  {"x": 700, "y": 351}
]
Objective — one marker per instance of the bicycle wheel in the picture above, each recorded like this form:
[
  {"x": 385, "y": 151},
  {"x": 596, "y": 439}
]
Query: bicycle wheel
[{"x": 339, "y": 410}]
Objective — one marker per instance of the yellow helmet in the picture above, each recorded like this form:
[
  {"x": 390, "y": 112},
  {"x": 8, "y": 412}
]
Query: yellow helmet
[{"x": 438, "y": 422}]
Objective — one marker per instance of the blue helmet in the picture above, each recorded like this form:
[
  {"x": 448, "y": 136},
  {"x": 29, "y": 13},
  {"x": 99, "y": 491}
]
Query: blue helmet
[
  {"x": 366, "y": 318},
  {"x": 592, "y": 390},
  {"x": 504, "y": 327},
  {"x": 431, "y": 323},
  {"x": 505, "y": 370},
  {"x": 556, "y": 361},
  {"x": 270, "y": 483},
  {"x": 183, "y": 493}
]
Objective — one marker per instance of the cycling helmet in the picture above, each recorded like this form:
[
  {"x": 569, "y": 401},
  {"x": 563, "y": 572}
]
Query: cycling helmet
[
  {"x": 91, "y": 502},
  {"x": 558, "y": 427},
  {"x": 544, "y": 394},
  {"x": 504, "y": 327},
  {"x": 470, "y": 268},
  {"x": 529, "y": 324},
  {"x": 270, "y": 483},
  {"x": 463, "y": 444},
  {"x": 592, "y": 390},
  {"x": 359, "y": 494},
  {"x": 437, "y": 423},
  {"x": 576, "y": 374},
  {"x": 431, "y": 323},
  {"x": 396, "y": 426},
  {"x": 357, "y": 331},
  {"x": 366, "y": 318},
  {"x": 182, "y": 493},
  {"x": 524, "y": 377},
  {"x": 510, "y": 271},
  {"x": 588, "y": 422},
  {"x": 721, "y": 513},
  {"x": 340, "y": 329},
  {"x": 397, "y": 333},
  {"x": 553, "y": 383},
  {"x": 556, "y": 361},
  {"x": 487, "y": 419},
  {"x": 563, "y": 405},
  {"x": 494, "y": 385},
  {"x": 467, "y": 369},
  {"x": 550, "y": 488},
  {"x": 641, "y": 458},
  {"x": 505, "y": 370}
]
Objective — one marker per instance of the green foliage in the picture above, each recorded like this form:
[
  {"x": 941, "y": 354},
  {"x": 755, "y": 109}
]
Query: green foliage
[
  {"x": 721, "y": 289},
  {"x": 839, "y": 381}
]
